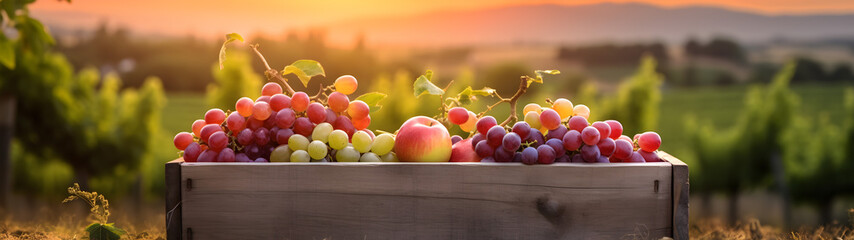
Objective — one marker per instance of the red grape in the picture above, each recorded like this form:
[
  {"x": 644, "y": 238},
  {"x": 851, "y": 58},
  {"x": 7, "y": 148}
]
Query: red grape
[
  {"x": 253, "y": 123},
  {"x": 530, "y": 155},
  {"x": 280, "y": 101},
  {"x": 197, "y": 127},
  {"x": 358, "y": 109},
  {"x": 557, "y": 146},
  {"x": 362, "y": 123},
  {"x": 495, "y": 135},
  {"x": 218, "y": 141},
  {"x": 523, "y": 129},
  {"x": 624, "y": 137},
  {"x": 545, "y": 154},
  {"x": 485, "y": 123},
  {"x": 550, "y": 119},
  {"x": 299, "y": 102},
  {"x": 245, "y": 137},
  {"x": 590, "y": 136},
  {"x": 343, "y": 123},
  {"x": 483, "y": 149},
  {"x": 226, "y": 155},
  {"x": 606, "y": 146},
  {"x": 476, "y": 139},
  {"x": 501, "y": 155},
  {"x": 265, "y": 99},
  {"x": 270, "y": 89},
  {"x": 649, "y": 141},
  {"x": 458, "y": 115},
  {"x": 557, "y": 132},
  {"x": 182, "y": 139},
  {"x": 590, "y": 153},
  {"x": 271, "y": 121},
  {"x": 262, "y": 136},
  {"x": 303, "y": 126},
  {"x": 235, "y": 122},
  {"x": 577, "y": 123},
  {"x": 261, "y": 110},
  {"x": 283, "y": 135},
  {"x": 511, "y": 142},
  {"x": 604, "y": 129},
  {"x": 572, "y": 140},
  {"x": 616, "y": 129},
  {"x": 316, "y": 113},
  {"x": 285, "y": 118},
  {"x": 192, "y": 151},
  {"x": 241, "y": 157},
  {"x": 207, "y": 156},
  {"x": 622, "y": 149},
  {"x": 469, "y": 125},
  {"x": 214, "y": 116},
  {"x": 338, "y": 102},
  {"x": 636, "y": 157},
  {"x": 330, "y": 116},
  {"x": 209, "y": 129},
  {"x": 244, "y": 106},
  {"x": 649, "y": 156}
]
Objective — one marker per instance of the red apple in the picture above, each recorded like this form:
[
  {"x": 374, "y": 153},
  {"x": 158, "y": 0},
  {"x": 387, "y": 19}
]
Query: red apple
[
  {"x": 463, "y": 151},
  {"x": 422, "y": 139}
]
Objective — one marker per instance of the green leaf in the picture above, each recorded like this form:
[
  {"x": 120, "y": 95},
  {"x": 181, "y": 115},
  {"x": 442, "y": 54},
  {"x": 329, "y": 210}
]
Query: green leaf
[
  {"x": 7, "y": 52},
  {"x": 539, "y": 73},
  {"x": 99, "y": 231},
  {"x": 305, "y": 70},
  {"x": 231, "y": 37},
  {"x": 423, "y": 85},
  {"x": 465, "y": 96},
  {"x": 373, "y": 100}
]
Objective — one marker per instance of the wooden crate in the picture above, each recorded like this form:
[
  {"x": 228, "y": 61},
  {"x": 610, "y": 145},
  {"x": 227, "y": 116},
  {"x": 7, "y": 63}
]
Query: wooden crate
[{"x": 427, "y": 200}]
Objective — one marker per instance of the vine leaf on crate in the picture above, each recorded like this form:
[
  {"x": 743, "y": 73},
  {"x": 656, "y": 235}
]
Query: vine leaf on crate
[
  {"x": 231, "y": 37},
  {"x": 304, "y": 70},
  {"x": 539, "y": 78},
  {"x": 423, "y": 85},
  {"x": 98, "y": 231},
  {"x": 373, "y": 100},
  {"x": 466, "y": 95}
]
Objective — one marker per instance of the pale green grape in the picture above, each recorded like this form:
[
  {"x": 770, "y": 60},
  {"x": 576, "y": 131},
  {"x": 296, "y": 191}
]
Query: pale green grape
[
  {"x": 317, "y": 149},
  {"x": 383, "y": 144},
  {"x": 320, "y": 160},
  {"x": 321, "y": 132},
  {"x": 300, "y": 156},
  {"x": 298, "y": 142},
  {"x": 281, "y": 154},
  {"x": 347, "y": 154},
  {"x": 362, "y": 141},
  {"x": 369, "y": 157},
  {"x": 389, "y": 157},
  {"x": 338, "y": 139}
]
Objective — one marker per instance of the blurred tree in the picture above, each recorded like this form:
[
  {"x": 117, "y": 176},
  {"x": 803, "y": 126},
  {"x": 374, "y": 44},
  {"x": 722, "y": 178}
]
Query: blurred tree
[
  {"x": 718, "y": 48},
  {"x": 237, "y": 79},
  {"x": 809, "y": 69},
  {"x": 638, "y": 98},
  {"x": 842, "y": 72},
  {"x": 504, "y": 77}
]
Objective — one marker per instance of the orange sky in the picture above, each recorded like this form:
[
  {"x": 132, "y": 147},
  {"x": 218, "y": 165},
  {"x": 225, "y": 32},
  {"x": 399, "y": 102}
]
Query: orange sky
[{"x": 207, "y": 17}]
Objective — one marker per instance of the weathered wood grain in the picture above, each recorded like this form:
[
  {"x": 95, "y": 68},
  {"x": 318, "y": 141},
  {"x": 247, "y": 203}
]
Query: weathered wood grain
[
  {"x": 427, "y": 200},
  {"x": 681, "y": 191},
  {"x": 173, "y": 199}
]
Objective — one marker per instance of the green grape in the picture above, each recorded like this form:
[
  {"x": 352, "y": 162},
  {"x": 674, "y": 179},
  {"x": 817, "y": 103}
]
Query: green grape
[
  {"x": 383, "y": 144},
  {"x": 281, "y": 154},
  {"x": 369, "y": 157},
  {"x": 389, "y": 157},
  {"x": 533, "y": 119},
  {"x": 338, "y": 139},
  {"x": 347, "y": 154},
  {"x": 298, "y": 142},
  {"x": 300, "y": 156},
  {"x": 320, "y": 160},
  {"x": 317, "y": 149},
  {"x": 321, "y": 132},
  {"x": 362, "y": 141}
]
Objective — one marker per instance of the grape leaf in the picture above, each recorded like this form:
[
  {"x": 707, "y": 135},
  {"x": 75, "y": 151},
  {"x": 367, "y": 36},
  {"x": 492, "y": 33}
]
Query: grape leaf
[
  {"x": 466, "y": 95},
  {"x": 7, "y": 52},
  {"x": 304, "y": 70},
  {"x": 231, "y": 37},
  {"x": 423, "y": 85},
  {"x": 539, "y": 78},
  {"x": 373, "y": 100},
  {"x": 99, "y": 231}
]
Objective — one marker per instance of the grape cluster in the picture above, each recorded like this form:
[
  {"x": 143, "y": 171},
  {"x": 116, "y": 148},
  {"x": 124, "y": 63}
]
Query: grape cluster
[
  {"x": 561, "y": 133},
  {"x": 280, "y": 128}
]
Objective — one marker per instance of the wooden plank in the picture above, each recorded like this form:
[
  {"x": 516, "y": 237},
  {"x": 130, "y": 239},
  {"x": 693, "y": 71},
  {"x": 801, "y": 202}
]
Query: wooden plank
[
  {"x": 173, "y": 199},
  {"x": 427, "y": 200},
  {"x": 681, "y": 191}
]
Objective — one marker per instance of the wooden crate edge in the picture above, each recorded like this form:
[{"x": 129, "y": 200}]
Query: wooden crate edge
[
  {"x": 681, "y": 189},
  {"x": 173, "y": 199}
]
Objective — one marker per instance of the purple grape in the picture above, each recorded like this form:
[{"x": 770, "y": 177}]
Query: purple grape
[
  {"x": 271, "y": 121},
  {"x": 546, "y": 154},
  {"x": 207, "y": 156},
  {"x": 556, "y": 133},
  {"x": 262, "y": 136},
  {"x": 503, "y": 156},
  {"x": 483, "y": 149},
  {"x": 261, "y": 160},
  {"x": 590, "y": 153},
  {"x": 252, "y": 151},
  {"x": 511, "y": 142},
  {"x": 517, "y": 157},
  {"x": 495, "y": 135},
  {"x": 487, "y": 159},
  {"x": 606, "y": 146},
  {"x": 576, "y": 158},
  {"x": 245, "y": 137},
  {"x": 192, "y": 152},
  {"x": 536, "y": 138},
  {"x": 455, "y": 139},
  {"x": 476, "y": 139},
  {"x": 603, "y": 159},
  {"x": 572, "y": 140},
  {"x": 563, "y": 159},
  {"x": 649, "y": 156},
  {"x": 636, "y": 157},
  {"x": 303, "y": 126},
  {"x": 529, "y": 155},
  {"x": 557, "y": 146},
  {"x": 283, "y": 135},
  {"x": 241, "y": 157},
  {"x": 522, "y": 129},
  {"x": 226, "y": 155}
]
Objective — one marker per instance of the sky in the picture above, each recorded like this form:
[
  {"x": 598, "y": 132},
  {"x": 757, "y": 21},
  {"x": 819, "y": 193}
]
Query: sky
[{"x": 208, "y": 17}]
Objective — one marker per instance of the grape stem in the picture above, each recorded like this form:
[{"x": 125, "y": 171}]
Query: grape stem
[
  {"x": 523, "y": 87},
  {"x": 271, "y": 73}
]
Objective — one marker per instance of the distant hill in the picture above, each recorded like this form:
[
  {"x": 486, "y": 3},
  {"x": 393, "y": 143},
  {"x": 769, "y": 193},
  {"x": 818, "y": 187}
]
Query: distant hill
[{"x": 596, "y": 22}]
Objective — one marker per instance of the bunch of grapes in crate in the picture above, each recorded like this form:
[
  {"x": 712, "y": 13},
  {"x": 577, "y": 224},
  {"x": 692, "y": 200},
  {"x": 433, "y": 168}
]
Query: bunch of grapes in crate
[
  {"x": 560, "y": 133},
  {"x": 279, "y": 128}
]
